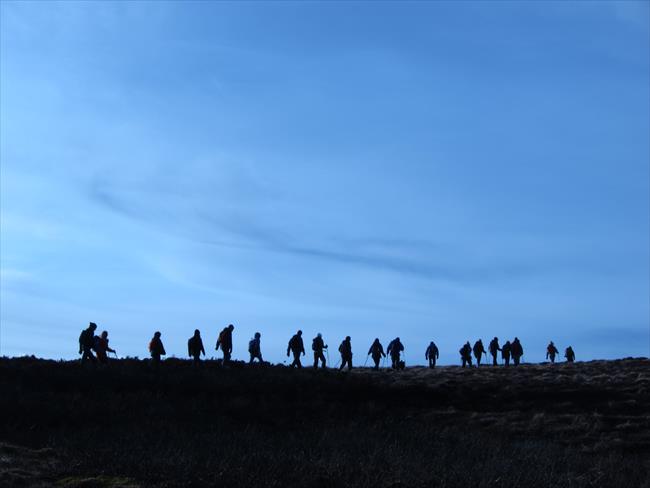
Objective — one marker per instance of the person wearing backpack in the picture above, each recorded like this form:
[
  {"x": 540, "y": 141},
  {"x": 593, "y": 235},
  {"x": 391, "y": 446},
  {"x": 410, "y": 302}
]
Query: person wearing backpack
[
  {"x": 569, "y": 355},
  {"x": 346, "y": 353},
  {"x": 432, "y": 354},
  {"x": 395, "y": 349},
  {"x": 494, "y": 349},
  {"x": 466, "y": 355},
  {"x": 296, "y": 347},
  {"x": 195, "y": 347},
  {"x": 517, "y": 351},
  {"x": 156, "y": 348},
  {"x": 87, "y": 343},
  {"x": 318, "y": 345},
  {"x": 225, "y": 342},
  {"x": 551, "y": 351},
  {"x": 479, "y": 350},
  {"x": 506, "y": 352},
  {"x": 254, "y": 348},
  {"x": 376, "y": 351},
  {"x": 102, "y": 347}
]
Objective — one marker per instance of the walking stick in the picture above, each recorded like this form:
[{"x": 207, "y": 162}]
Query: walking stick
[{"x": 366, "y": 362}]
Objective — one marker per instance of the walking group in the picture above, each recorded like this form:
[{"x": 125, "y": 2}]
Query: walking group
[
  {"x": 95, "y": 348},
  {"x": 510, "y": 350}
]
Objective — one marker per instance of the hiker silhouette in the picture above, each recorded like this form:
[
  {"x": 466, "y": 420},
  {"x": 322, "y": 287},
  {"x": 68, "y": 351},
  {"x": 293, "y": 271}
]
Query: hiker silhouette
[
  {"x": 195, "y": 347},
  {"x": 318, "y": 345},
  {"x": 376, "y": 351},
  {"x": 494, "y": 349},
  {"x": 569, "y": 355},
  {"x": 394, "y": 350},
  {"x": 224, "y": 341},
  {"x": 156, "y": 348},
  {"x": 87, "y": 343},
  {"x": 101, "y": 347},
  {"x": 296, "y": 347},
  {"x": 346, "y": 353},
  {"x": 254, "y": 348},
  {"x": 431, "y": 354},
  {"x": 466, "y": 354},
  {"x": 479, "y": 350},
  {"x": 517, "y": 351},
  {"x": 506, "y": 352},
  {"x": 551, "y": 351}
]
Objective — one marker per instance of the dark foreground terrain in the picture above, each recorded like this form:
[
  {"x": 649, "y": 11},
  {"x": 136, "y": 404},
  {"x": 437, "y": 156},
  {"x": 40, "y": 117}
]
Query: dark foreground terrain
[{"x": 580, "y": 425}]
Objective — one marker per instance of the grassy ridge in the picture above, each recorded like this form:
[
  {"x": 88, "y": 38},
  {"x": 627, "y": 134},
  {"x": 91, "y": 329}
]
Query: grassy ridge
[{"x": 580, "y": 425}]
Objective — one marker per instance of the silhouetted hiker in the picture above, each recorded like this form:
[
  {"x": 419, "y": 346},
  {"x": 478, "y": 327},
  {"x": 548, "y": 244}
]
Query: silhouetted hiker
[
  {"x": 346, "y": 353},
  {"x": 317, "y": 346},
  {"x": 376, "y": 351},
  {"x": 296, "y": 347},
  {"x": 569, "y": 355},
  {"x": 254, "y": 348},
  {"x": 225, "y": 342},
  {"x": 87, "y": 343},
  {"x": 506, "y": 351},
  {"x": 494, "y": 348},
  {"x": 517, "y": 351},
  {"x": 195, "y": 347},
  {"x": 101, "y": 347},
  {"x": 394, "y": 350},
  {"x": 156, "y": 348},
  {"x": 551, "y": 351},
  {"x": 432, "y": 354},
  {"x": 479, "y": 350},
  {"x": 466, "y": 354}
]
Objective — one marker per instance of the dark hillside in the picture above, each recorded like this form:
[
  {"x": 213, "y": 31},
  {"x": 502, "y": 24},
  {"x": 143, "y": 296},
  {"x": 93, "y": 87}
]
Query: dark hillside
[{"x": 580, "y": 425}]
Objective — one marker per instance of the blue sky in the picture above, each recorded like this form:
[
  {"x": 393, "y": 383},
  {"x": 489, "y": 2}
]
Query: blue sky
[{"x": 438, "y": 171}]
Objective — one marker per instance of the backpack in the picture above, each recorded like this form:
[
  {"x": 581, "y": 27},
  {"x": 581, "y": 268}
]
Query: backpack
[
  {"x": 313, "y": 345},
  {"x": 251, "y": 346}
]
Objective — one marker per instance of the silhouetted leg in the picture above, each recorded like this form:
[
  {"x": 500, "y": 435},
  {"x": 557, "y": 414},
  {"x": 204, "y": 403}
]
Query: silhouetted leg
[
  {"x": 376, "y": 360},
  {"x": 296, "y": 360},
  {"x": 494, "y": 359},
  {"x": 88, "y": 356}
]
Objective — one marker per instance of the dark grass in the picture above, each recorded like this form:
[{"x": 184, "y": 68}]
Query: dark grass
[{"x": 271, "y": 426}]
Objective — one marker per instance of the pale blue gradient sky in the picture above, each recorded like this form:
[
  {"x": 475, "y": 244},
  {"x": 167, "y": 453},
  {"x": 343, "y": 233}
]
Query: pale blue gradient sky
[{"x": 442, "y": 171}]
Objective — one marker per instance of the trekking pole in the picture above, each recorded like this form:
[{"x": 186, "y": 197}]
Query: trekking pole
[
  {"x": 327, "y": 351},
  {"x": 115, "y": 353},
  {"x": 366, "y": 362}
]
